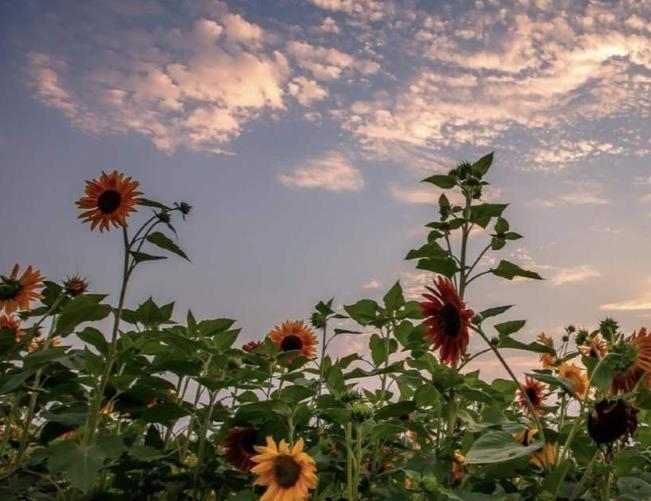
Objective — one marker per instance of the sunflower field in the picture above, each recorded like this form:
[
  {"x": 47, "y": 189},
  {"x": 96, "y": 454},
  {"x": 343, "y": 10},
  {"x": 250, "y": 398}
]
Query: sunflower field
[{"x": 133, "y": 400}]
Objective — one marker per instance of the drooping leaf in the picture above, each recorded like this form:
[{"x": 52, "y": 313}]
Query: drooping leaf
[
  {"x": 497, "y": 447},
  {"x": 160, "y": 240},
  {"x": 508, "y": 270},
  {"x": 441, "y": 180},
  {"x": 84, "y": 308}
]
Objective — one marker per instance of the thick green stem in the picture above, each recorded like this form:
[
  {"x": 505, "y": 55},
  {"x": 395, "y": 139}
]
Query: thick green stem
[{"x": 577, "y": 489}]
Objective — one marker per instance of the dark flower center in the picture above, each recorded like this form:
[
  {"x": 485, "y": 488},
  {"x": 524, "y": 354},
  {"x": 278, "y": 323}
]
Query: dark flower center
[
  {"x": 450, "y": 320},
  {"x": 9, "y": 289},
  {"x": 610, "y": 420},
  {"x": 533, "y": 395},
  {"x": 248, "y": 441},
  {"x": 286, "y": 471},
  {"x": 291, "y": 343},
  {"x": 109, "y": 201}
]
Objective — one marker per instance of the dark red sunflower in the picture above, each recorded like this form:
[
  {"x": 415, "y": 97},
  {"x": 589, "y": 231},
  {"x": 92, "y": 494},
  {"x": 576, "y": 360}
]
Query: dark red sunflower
[
  {"x": 109, "y": 200},
  {"x": 252, "y": 345},
  {"x": 447, "y": 320},
  {"x": 634, "y": 360},
  {"x": 535, "y": 391},
  {"x": 239, "y": 447}
]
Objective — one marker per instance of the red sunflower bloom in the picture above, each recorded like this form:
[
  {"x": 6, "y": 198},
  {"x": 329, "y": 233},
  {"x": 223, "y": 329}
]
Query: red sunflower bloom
[
  {"x": 239, "y": 445},
  {"x": 109, "y": 200},
  {"x": 252, "y": 345},
  {"x": 535, "y": 391},
  {"x": 447, "y": 320}
]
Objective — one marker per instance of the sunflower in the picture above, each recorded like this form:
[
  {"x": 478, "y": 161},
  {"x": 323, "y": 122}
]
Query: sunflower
[
  {"x": 12, "y": 325},
  {"x": 594, "y": 347},
  {"x": 294, "y": 336},
  {"x": 458, "y": 470},
  {"x": 75, "y": 286},
  {"x": 633, "y": 361},
  {"x": 287, "y": 473},
  {"x": 546, "y": 359},
  {"x": 252, "y": 345},
  {"x": 17, "y": 293},
  {"x": 534, "y": 390},
  {"x": 109, "y": 200},
  {"x": 578, "y": 378},
  {"x": 610, "y": 420},
  {"x": 540, "y": 458},
  {"x": 239, "y": 445},
  {"x": 447, "y": 320}
]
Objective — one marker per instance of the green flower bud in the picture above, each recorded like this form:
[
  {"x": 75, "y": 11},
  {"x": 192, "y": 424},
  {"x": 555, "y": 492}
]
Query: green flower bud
[{"x": 360, "y": 412}]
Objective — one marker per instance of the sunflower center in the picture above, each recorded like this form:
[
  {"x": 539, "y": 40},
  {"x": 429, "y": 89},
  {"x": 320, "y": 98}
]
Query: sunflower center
[
  {"x": 291, "y": 343},
  {"x": 109, "y": 201},
  {"x": 286, "y": 471},
  {"x": 450, "y": 320},
  {"x": 9, "y": 289},
  {"x": 248, "y": 441},
  {"x": 533, "y": 395}
]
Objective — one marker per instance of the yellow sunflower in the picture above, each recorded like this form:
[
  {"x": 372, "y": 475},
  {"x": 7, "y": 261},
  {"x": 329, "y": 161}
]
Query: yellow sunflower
[
  {"x": 287, "y": 474},
  {"x": 546, "y": 359},
  {"x": 16, "y": 293},
  {"x": 295, "y": 336},
  {"x": 109, "y": 200},
  {"x": 578, "y": 378},
  {"x": 542, "y": 457}
]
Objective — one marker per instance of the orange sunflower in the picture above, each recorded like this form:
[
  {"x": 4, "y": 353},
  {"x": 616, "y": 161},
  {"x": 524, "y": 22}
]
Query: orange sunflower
[
  {"x": 540, "y": 458},
  {"x": 447, "y": 320},
  {"x": 12, "y": 325},
  {"x": 17, "y": 293},
  {"x": 75, "y": 286},
  {"x": 287, "y": 473},
  {"x": 578, "y": 378},
  {"x": 595, "y": 347},
  {"x": 252, "y": 345},
  {"x": 295, "y": 336},
  {"x": 546, "y": 359},
  {"x": 535, "y": 391},
  {"x": 458, "y": 469},
  {"x": 634, "y": 354},
  {"x": 109, "y": 200},
  {"x": 239, "y": 445}
]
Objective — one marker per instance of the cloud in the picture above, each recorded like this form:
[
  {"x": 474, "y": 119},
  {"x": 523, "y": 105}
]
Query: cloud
[
  {"x": 331, "y": 172},
  {"x": 373, "y": 283},
  {"x": 629, "y": 305},
  {"x": 574, "y": 274},
  {"x": 327, "y": 63},
  {"x": 582, "y": 193},
  {"x": 306, "y": 91},
  {"x": 428, "y": 194}
]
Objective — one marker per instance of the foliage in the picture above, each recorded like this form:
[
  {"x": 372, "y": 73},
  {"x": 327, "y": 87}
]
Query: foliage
[{"x": 120, "y": 403}]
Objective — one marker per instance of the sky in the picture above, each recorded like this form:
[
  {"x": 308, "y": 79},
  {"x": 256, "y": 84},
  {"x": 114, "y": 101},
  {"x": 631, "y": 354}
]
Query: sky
[{"x": 299, "y": 130}]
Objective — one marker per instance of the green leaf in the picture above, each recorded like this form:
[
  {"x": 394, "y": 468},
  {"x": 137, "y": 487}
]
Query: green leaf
[
  {"x": 492, "y": 312},
  {"x": 152, "y": 203},
  {"x": 502, "y": 225},
  {"x": 481, "y": 166},
  {"x": 442, "y": 181},
  {"x": 506, "y": 328},
  {"x": 78, "y": 464},
  {"x": 427, "y": 396},
  {"x": 444, "y": 266},
  {"x": 482, "y": 214},
  {"x": 394, "y": 300},
  {"x": 139, "y": 257},
  {"x": 379, "y": 352},
  {"x": 429, "y": 250},
  {"x": 164, "y": 413},
  {"x": 94, "y": 338},
  {"x": 296, "y": 393},
  {"x": 363, "y": 312},
  {"x": 497, "y": 447},
  {"x": 84, "y": 308},
  {"x": 514, "y": 344},
  {"x": 508, "y": 270},
  {"x": 160, "y": 240},
  {"x": 398, "y": 409}
]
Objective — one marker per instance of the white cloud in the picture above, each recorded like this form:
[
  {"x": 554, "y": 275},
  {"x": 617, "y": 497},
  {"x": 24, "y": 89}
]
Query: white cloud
[
  {"x": 327, "y": 63},
  {"x": 330, "y": 172},
  {"x": 581, "y": 193},
  {"x": 629, "y": 305},
  {"x": 306, "y": 91},
  {"x": 429, "y": 194},
  {"x": 574, "y": 274},
  {"x": 373, "y": 283}
]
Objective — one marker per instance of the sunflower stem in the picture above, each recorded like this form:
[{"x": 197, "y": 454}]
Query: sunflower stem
[
  {"x": 577, "y": 489},
  {"x": 96, "y": 405}
]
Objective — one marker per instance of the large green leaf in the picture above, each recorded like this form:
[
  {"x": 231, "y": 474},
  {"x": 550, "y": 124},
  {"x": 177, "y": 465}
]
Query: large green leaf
[
  {"x": 78, "y": 464},
  {"x": 441, "y": 180},
  {"x": 160, "y": 240},
  {"x": 481, "y": 166},
  {"x": 84, "y": 308},
  {"x": 508, "y": 270},
  {"x": 394, "y": 299},
  {"x": 510, "y": 327},
  {"x": 497, "y": 447}
]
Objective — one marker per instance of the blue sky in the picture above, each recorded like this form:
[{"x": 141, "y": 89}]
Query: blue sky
[{"x": 300, "y": 130}]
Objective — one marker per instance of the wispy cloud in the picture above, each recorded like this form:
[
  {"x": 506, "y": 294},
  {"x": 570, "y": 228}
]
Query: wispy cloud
[
  {"x": 580, "y": 193},
  {"x": 330, "y": 172},
  {"x": 574, "y": 274},
  {"x": 429, "y": 194},
  {"x": 638, "y": 304},
  {"x": 373, "y": 283}
]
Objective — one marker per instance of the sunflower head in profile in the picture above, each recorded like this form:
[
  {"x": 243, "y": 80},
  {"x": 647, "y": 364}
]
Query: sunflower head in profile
[
  {"x": 594, "y": 347},
  {"x": 447, "y": 320},
  {"x": 294, "y": 336},
  {"x": 632, "y": 360},
  {"x": 11, "y": 326},
  {"x": 540, "y": 458},
  {"x": 75, "y": 286},
  {"x": 577, "y": 377},
  {"x": 17, "y": 292},
  {"x": 287, "y": 473},
  {"x": 239, "y": 445},
  {"x": 546, "y": 359},
  {"x": 534, "y": 390},
  {"x": 109, "y": 200},
  {"x": 611, "y": 420}
]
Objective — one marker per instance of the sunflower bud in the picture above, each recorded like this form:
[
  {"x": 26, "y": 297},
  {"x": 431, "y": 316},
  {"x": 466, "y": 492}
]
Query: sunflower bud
[
  {"x": 430, "y": 484},
  {"x": 163, "y": 216},
  {"x": 608, "y": 328},
  {"x": 624, "y": 356},
  {"x": 495, "y": 341},
  {"x": 349, "y": 395},
  {"x": 75, "y": 286},
  {"x": 184, "y": 208},
  {"x": 318, "y": 320},
  {"x": 570, "y": 329},
  {"x": 565, "y": 338},
  {"x": 233, "y": 363},
  {"x": 581, "y": 337},
  {"x": 360, "y": 412},
  {"x": 611, "y": 420}
]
